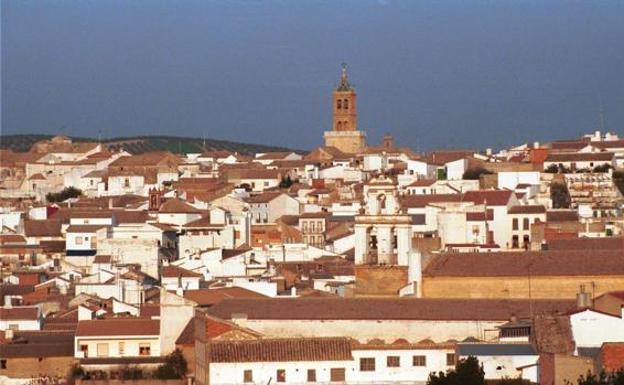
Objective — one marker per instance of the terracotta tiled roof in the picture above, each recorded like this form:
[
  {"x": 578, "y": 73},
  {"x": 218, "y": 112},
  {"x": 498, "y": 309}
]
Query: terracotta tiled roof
[
  {"x": 384, "y": 308},
  {"x": 574, "y": 145},
  {"x": 148, "y": 159},
  {"x": 528, "y": 209},
  {"x": 562, "y": 216},
  {"x": 413, "y": 201},
  {"x": 102, "y": 259},
  {"x": 422, "y": 183},
  {"x": 608, "y": 243},
  {"x": 445, "y": 156},
  {"x": 257, "y": 173},
  {"x": 11, "y": 239},
  {"x": 609, "y": 144},
  {"x": 274, "y": 155},
  {"x": 542, "y": 263},
  {"x": 581, "y": 157},
  {"x": 200, "y": 223},
  {"x": 214, "y": 328},
  {"x": 41, "y": 228},
  {"x": 612, "y": 356},
  {"x": 177, "y": 206},
  {"x": 281, "y": 350},
  {"x": 264, "y": 197},
  {"x": 208, "y": 297},
  {"x": 173, "y": 271},
  {"x": 490, "y": 197},
  {"x": 19, "y": 313},
  {"x": 480, "y": 215},
  {"x": 37, "y": 176},
  {"x": 118, "y": 327},
  {"x": 84, "y": 228}
]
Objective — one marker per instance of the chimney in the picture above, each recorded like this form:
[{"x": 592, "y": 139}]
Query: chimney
[
  {"x": 583, "y": 299},
  {"x": 536, "y": 144}
]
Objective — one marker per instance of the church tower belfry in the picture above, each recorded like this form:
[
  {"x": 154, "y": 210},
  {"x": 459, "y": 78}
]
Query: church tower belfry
[
  {"x": 344, "y": 134},
  {"x": 345, "y": 110}
]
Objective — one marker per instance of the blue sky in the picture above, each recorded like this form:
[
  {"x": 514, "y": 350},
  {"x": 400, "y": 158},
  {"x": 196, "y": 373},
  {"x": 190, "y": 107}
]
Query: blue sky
[{"x": 434, "y": 74}]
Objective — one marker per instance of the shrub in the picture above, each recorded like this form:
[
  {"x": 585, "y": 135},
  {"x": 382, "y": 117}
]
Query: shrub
[
  {"x": 175, "y": 367},
  {"x": 66, "y": 193},
  {"x": 466, "y": 372},
  {"x": 475, "y": 173},
  {"x": 560, "y": 195}
]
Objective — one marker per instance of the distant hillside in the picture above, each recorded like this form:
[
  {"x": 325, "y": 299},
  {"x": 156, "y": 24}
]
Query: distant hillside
[{"x": 141, "y": 144}]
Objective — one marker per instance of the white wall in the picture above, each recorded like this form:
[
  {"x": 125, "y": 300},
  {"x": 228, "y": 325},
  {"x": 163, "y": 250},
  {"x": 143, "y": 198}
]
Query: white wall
[
  {"x": 296, "y": 372},
  {"x": 592, "y": 329},
  {"x": 510, "y": 179}
]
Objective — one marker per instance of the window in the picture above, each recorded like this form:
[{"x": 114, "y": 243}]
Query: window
[
  {"x": 450, "y": 359},
  {"x": 525, "y": 224},
  {"x": 14, "y": 327},
  {"x": 339, "y": 104},
  {"x": 367, "y": 364},
  {"x": 514, "y": 242},
  {"x": 419, "y": 361},
  {"x": 79, "y": 240},
  {"x": 248, "y": 376},
  {"x": 514, "y": 224},
  {"x": 311, "y": 375},
  {"x": 102, "y": 350},
  {"x": 345, "y": 104},
  {"x": 3, "y": 364},
  {"x": 122, "y": 348},
  {"x": 337, "y": 374},
  {"x": 393, "y": 361},
  {"x": 85, "y": 350},
  {"x": 145, "y": 350},
  {"x": 126, "y": 182},
  {"x": 281, "y": 375}
]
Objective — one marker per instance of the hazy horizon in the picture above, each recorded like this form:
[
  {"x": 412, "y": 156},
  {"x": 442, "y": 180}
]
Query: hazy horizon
[{"x": 451, "y": 74}]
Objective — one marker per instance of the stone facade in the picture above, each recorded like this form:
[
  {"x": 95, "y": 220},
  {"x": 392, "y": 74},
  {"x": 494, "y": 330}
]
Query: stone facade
[{"x": 560, "y": 287}]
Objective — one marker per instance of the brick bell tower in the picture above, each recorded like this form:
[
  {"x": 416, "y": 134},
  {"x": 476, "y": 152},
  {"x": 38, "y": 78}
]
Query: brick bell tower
[{"x": 345, "y": 135}]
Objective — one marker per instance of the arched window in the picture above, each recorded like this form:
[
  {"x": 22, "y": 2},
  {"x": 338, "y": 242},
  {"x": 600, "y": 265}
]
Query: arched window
[
  {"x": 339, "y": 126},
  {"x": 339, "y": 104},
  {"x": 381, "y": 202},
  {"x": 346, "y": 104},
  {"x": 345, "y": 125}
]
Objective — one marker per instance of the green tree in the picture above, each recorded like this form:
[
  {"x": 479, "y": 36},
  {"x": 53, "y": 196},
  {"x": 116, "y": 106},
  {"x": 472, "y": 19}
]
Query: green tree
[
  {"x": 613, "y": 378},
  {"x": 475, "y": 173},
  {"x": 618, "y": 179},
  {"x": 467, "y": 372},
  {"x": 552, "y": 169},
  {"x": 560, "y": 195},
  {"x": 513, "y": 381},
  {"x": 175, "y": 367},
  {"x": 605, "y": 167},
  {"x": 66, "y": 193},
  {"x": 286, "y": 182}
]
